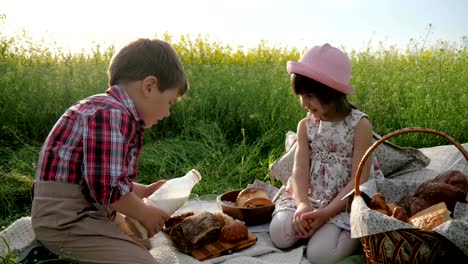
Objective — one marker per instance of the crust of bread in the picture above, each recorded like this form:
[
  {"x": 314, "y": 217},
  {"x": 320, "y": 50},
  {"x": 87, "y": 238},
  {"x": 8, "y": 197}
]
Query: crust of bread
[
  {"x": 378, "y": 203},
  {"x": 390, "y": 208},
  {"x": 400, "y": 214},
  {"x": 431, "y": 217},
  {"x": 224, "y": 219},
  {"x": 254, "y": 202},
  {"x": 234, "y": 231},
  {"x": 248, "y": 193}
]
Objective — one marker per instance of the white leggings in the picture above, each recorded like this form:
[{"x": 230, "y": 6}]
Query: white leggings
[{"x": 328, "y": 245}]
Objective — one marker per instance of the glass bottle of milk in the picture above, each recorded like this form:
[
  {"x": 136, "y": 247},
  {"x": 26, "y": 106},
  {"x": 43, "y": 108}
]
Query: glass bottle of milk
[{"x": 169, "y": 197}]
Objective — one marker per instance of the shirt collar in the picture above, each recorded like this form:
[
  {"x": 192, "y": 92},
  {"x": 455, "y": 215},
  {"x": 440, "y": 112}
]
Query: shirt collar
[{"x": 122, "y": 96}]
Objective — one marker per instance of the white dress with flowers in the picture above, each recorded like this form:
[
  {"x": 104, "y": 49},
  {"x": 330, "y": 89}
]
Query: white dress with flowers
[{"x": 331, "y": 164}]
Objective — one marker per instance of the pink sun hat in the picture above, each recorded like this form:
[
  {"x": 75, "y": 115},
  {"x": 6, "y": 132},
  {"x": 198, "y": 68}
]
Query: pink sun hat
[{"x": 325, "y": 64}]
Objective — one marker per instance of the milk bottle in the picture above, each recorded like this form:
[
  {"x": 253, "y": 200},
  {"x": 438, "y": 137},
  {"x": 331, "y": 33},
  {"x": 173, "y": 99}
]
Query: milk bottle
[{"x": 169, "y": 197}]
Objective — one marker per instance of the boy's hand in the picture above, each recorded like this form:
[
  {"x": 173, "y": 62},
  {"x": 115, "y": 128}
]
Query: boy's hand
[
  {"x": 150, "y": 217},
  {"x": 153, "y": 219},
  {"x": 150, "y": 189}
]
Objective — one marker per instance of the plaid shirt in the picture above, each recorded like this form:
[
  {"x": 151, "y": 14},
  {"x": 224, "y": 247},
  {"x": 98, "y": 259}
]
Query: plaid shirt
[{"x": 96, "y": 143}]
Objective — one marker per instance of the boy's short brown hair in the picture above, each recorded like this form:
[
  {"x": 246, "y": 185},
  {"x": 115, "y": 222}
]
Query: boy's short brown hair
[{"x": 144, "y": 57}]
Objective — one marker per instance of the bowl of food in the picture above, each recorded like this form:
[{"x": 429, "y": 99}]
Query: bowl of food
[{"x": 250, "y": 205}]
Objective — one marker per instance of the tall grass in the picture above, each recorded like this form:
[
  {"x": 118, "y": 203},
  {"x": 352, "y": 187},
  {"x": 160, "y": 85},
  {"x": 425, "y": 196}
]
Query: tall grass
[
  {"x": 424, "y": 88},
  {"x": 232, "y": 124}
]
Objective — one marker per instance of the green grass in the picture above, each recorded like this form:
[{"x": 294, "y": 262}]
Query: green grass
[{"x": 232, "y": 124}]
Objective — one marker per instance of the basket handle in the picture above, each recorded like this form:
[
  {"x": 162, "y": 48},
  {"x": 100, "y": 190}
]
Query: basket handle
[{"x": 368, "y": 152}]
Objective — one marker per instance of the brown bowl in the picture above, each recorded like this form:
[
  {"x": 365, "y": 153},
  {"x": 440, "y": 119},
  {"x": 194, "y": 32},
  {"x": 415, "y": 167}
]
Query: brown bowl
[{"x": 249, "y": 215}]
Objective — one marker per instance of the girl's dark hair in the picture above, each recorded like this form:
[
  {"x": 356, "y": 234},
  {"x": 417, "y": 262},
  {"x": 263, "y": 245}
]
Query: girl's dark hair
[
  {"x": 145, "y": 57},
  {"x": 326, "y": 95}
]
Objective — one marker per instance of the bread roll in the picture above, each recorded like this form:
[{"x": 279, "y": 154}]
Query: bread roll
[
  {"x": 390, "y": 208},
  {"x": 257, "y": 201},
  {"x": 399, "y": 213},
  {"x": 430, "y": 217},
  {"x": 249, "y": 193},
  {"x": 234, "y": 231},
  {"x": 378, "y": 203},
  {"x": 224, "y": 219}
]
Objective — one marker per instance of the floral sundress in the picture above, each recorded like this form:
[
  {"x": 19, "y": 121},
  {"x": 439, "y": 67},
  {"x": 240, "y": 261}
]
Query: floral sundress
[{"x": 331, "y": 164}]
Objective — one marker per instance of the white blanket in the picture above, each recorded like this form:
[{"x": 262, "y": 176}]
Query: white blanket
[
  {"x": 262, "y": 252},
  {"x": 19, "y": 235}
]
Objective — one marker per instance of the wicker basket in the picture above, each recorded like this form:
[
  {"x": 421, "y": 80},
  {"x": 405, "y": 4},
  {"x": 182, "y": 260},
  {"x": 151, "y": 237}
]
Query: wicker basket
[{"x": 407, "y": 245}]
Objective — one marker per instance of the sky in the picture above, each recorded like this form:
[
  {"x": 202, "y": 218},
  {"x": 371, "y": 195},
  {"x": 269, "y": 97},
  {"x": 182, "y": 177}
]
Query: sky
[{"x": 349, "y": 24}]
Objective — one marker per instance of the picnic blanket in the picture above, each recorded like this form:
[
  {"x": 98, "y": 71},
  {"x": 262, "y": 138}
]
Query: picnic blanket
[{"x": 19, "y": 235}]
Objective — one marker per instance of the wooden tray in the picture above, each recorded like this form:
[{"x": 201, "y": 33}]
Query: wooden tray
[{"x": 218, "y": 248}]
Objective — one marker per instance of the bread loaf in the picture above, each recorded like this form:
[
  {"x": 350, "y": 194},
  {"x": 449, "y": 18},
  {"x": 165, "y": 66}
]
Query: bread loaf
[
  {"x": 436, "y": 192},
  {"x": 195, "y": 231},
  {"x": 449, "y": 187},
  {"x": 430, "y": 217},
  {"x": 453, "y": 177},
  {"x": 174, "y": 220},
  {"x": 413, "y": 204}
]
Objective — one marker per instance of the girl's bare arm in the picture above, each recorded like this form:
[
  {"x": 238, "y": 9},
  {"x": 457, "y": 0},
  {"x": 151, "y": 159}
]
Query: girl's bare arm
[
  {"x": 300, "y": 173},
  {"x": 362, "y": 141}
]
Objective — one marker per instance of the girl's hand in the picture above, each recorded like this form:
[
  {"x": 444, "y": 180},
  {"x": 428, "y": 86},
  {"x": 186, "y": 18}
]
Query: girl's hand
[
  {"x": 300, "y": 226},
  {"x": 315, "y": 219},
  {"x": 153, "y": 220},
  {"x": 150, "y": 189}
]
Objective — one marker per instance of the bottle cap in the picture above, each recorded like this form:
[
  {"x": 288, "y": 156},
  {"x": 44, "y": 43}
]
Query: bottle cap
[{"x": 197, "y": 173}]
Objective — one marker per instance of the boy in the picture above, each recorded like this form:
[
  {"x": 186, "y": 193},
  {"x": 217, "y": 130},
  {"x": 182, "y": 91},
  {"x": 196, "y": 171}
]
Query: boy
[{"x": 89, "y": 161}]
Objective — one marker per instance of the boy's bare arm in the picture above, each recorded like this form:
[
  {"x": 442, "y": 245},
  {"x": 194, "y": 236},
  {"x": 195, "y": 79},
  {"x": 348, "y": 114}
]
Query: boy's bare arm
[
  {"x": 152, "y": 218},
  {"x": 143, "y": 191},
  {"x": 130, "y": 205},
  {"x": 139, "y": 190}
]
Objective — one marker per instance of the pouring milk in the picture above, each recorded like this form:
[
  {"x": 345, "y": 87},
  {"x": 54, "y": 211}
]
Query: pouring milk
[{"x": 170, "y": 196}]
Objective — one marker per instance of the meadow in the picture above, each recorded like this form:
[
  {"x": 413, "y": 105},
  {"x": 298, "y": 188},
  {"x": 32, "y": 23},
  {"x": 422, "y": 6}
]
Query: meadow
[{"x": 231, "y": 125}]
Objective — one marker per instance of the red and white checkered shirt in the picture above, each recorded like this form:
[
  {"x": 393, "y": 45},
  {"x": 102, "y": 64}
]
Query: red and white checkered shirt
[{"x": 96, "y": 143}]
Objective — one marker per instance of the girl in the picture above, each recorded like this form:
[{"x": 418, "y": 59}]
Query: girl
[{"x": 331, "y": 141}]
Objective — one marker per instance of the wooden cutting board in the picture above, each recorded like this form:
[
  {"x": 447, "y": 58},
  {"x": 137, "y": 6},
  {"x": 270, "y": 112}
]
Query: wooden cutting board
[{"x": 218, "y": 248}]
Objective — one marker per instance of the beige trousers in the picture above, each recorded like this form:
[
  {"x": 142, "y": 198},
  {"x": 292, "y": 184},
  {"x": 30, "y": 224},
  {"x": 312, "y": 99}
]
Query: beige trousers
[{"x": 64, "y": 221}]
